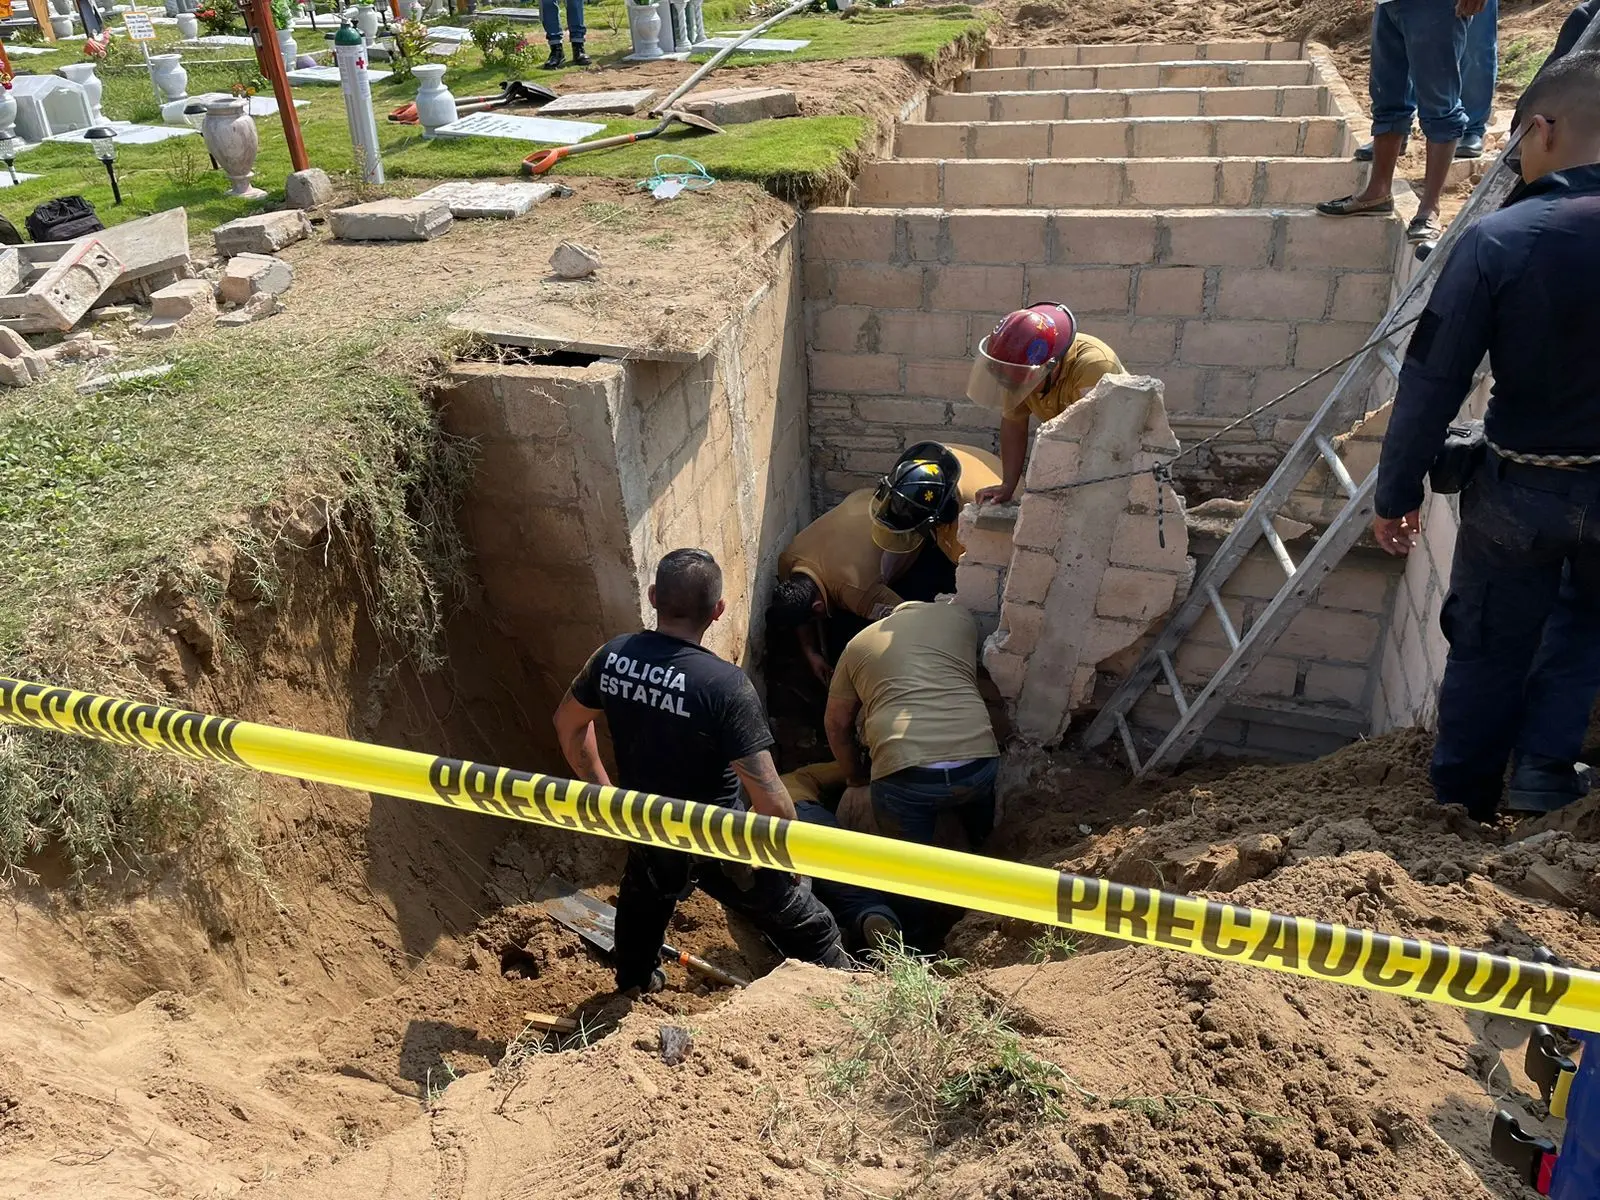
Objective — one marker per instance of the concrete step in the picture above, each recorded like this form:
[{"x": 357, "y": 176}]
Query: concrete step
[
  {"x": 1309, "y": 101},
  {"x": 1138, "y": 137},
  {"x": 1106, "y": 183},
  {"x": 1235, "y": 73},
  {"x": 1138, "y": 52}
]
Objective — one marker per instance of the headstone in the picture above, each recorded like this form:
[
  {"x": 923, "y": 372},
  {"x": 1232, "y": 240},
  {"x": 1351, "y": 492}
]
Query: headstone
[
  {"x": 22, "y": 177},
  {"x": 449, "y": 33},
  {"x": 65, "y": 291},
  {"x": 47, "y": 105},
  {"x": 622, "y": 103},
  {"x": 469, "y": 199},
  {"x": 149, "y": 245},
  {"x": 740, "y": 106},
  {"x": 256, "y": 106},
  {"x": 757, "y": 45},
  {"x": 218, "y": 39},
  {"x": 574, "y": 260},
  {"x": 134, "y": 135},
  {"x": 26, "y": 51},
  {"x": 329, "y": 75},
  {"x": 518, "y": 129},
  {"x": 310, "y": 188},
  {"x": 391, "y": 221},
  {"x": 265, "y": 233},
  {"x": 247, "y": 274}
]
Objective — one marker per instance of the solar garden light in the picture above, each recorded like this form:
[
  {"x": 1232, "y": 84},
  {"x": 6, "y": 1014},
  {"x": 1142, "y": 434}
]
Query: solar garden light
[
  {"x": 103, "y": 142},
  {"x": 8, "y": 155}
]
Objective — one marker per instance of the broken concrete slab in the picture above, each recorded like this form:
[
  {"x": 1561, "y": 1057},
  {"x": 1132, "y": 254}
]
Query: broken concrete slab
[
  {"x": 157, "y": 328},
  {"x": 469, "y": 198},
  {"x": 259, "y": 306},
  {"x": 574, "y": 260},
  {"x": 187, "y": 297},
  {"x": 20, "y": 364},
  {"x": 11, "y": 268},
  {"x": 393, "y": 220},
  {"x": 78, "y": 347},
  {"x": 740, "y": 106},
  {"x": 623, "y": 103},
  {"x": 264, "y": 233},
  {"x": 310, "y": 188},
  {"x": 248, "y": 274},
  {"x": 64, "y": 292}
]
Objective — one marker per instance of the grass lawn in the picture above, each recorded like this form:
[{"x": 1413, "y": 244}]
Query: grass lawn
[{"x": 789, "y": 157}]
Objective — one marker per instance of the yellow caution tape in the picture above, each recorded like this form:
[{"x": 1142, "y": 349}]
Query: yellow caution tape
[{"x": 1297, "y": 945}]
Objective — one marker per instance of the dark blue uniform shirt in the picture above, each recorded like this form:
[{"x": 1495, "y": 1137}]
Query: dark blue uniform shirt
[{"x": 1523, "y": 286}]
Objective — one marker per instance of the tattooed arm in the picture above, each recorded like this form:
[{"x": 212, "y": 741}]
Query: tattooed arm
[{"x": 767, "y": 794}]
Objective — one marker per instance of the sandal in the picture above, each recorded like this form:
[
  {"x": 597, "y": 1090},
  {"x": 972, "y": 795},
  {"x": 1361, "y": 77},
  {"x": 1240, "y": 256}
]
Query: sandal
[
  {"x": 1424, "y": 227},
  {"x": 1349, "y": 206}
]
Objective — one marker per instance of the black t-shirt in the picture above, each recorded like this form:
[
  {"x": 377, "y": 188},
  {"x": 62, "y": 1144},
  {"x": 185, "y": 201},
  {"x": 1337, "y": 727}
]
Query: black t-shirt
[{"x": 679, "y": 715}]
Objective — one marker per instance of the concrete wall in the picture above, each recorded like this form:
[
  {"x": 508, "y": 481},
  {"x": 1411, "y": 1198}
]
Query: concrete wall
[{"x": 589, "y": 474}]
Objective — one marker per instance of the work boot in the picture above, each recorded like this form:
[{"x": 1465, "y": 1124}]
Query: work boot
[
  {"x": 556, "y": 60},
  {"x": 880, "y": 930},
  {"x": 1470, "y": 146},
  {"x": 580, "y": 59},
  {"x": 1542, "y": 785}
]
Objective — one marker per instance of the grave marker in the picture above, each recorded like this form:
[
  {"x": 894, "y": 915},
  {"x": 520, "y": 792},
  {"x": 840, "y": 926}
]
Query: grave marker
[
  {"x": 624, "y": 103},
  {"x": 519, "y": 129}
]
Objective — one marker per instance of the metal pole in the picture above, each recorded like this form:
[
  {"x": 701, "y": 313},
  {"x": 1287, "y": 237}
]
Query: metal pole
[{"x": 264, "y": 31}]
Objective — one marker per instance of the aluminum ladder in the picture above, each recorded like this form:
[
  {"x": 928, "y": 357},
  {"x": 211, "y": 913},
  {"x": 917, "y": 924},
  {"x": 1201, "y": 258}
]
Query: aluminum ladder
[{"x": 1342, "y": 409}]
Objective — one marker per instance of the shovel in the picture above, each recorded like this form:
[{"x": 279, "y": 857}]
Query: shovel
[
  {"x": 596, "y": 923},
  {"x": 540, "y": 161}
]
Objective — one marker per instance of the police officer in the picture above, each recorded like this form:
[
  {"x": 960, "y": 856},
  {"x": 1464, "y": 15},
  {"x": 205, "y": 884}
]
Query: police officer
[
  {"x": 687, "y": 724},
  {"x": 1523, "y": 613}
]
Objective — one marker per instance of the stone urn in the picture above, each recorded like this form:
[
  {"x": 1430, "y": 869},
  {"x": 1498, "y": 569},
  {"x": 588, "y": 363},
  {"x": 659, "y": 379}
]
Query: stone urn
[
  {"x": 169, "y": 75},
  {"x": 435, "y": 105},
  {"x": 367, "y": 22},
  {"x": 287, "y": 48},
  {"x": 83, "y": 75},
  {"x": 230, "y": 136},
  {"x": 62, "y": 8},
  {"x": 644, "y": 26},
  {"x": 61, "y": 26},
  {"x": 188, "y": 26},
  {"x": 8, "y": 112}
]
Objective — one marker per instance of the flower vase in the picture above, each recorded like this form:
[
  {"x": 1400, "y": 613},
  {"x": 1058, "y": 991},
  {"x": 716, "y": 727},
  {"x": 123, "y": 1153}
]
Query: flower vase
[
  {"x": 435, "y": 105},
  {"x": 169, "y": 75},
  {"x": 83, "y": 75},
  {"x": 61, "y": 27},
  {"x": 188, "y": 26},
  {"x": 8, "y": 112},
  {"x": 287, "y": 48},
  {"x": 171, "y": 7},
  {"x": 367, "y": 22},
  {"x": 644, "y": 26},
  {"x": 231, "y": 137}
]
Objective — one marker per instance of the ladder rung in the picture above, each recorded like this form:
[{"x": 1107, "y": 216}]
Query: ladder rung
[
  {"x": 1228, "y": 630},
  {"x": 1279, "y": 550},
  {"x": 1172, "y": 681},
  {"x": 1336, "y": 465},
  {"x": 1389, "y": 360},
  {"x": 1127, "y": 744}
]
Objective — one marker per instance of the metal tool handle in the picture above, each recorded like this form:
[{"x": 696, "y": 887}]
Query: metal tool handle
[{"x": 696, "y": 963}]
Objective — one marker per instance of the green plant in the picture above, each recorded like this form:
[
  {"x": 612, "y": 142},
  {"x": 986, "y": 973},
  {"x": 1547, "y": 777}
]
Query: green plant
[
  {"x": 253, "y": 84},
  {"x": 283, "y": 14},
  {"x": 484, "y": 33},
  {"x": 218, "y": 16},
  {"x": 1520, "y": 61},
  {"x": 410, "y": 42}
]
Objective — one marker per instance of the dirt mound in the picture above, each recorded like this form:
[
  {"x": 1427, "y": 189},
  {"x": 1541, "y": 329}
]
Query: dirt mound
[{"x": 1043, "y": 23}]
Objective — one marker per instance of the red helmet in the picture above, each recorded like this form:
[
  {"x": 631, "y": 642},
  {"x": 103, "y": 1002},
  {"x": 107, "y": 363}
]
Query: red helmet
[{"x": 1019, "y": 355}]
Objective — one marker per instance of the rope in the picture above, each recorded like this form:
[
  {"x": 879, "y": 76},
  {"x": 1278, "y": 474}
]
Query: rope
[
  {"x": 696, "y": 179},
  {"x": 1547, "y": 460}
]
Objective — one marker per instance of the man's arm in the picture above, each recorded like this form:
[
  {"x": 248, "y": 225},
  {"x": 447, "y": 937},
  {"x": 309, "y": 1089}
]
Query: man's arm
[
  {"x": 1446, "y": 347},
  {"x": 762, "y": 784},
  {"x": 575, "y": 729},
  {"x": 1013, "y": 458},
  {"x": 839, "y": 721},
  {"x": 811, "y": 647}
]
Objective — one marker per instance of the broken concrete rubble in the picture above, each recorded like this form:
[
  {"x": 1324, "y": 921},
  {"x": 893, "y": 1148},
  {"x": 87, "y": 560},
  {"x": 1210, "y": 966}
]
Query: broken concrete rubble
[
  {"x": 574, "y": 260},
  {"x": 740, "y": 106},
  {"x": 482, "y": 198},
  {"x": 257, "y": 307},
  {"x": 265, "y": 233},
  {"x": 63, "y": 292},
  {"x": 1085, "y": 573},
  {"x": 21, "y": 364},
  {"x": 187, "y": 297},
  {"x": 248, "y": 274},
  {"x": 310, "y": 188},
  {"x": 391, "y": 221}
]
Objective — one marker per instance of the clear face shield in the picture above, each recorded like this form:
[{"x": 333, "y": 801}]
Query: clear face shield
[
  {"x": 884, "y": 535},
  {"x": 1001, "y": 386}
]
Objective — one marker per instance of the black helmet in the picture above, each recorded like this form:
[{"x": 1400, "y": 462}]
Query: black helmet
[{"x": 920, "y": 491}]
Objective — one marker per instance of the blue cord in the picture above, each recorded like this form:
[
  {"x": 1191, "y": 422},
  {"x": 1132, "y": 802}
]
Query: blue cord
[{"x": 696, "y": 179}]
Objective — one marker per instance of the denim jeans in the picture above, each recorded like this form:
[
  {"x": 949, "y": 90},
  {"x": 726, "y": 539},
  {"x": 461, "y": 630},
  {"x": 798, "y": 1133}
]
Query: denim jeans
[
  {"x": 550, "y": 16},
  {"x": 908, "y": 805},
  {"x": 1480, "y": 68},
  {"x": 848, "y": 903},
  {"x": 1417, "y": 47},
  {"x": 1523, "y": 622}
]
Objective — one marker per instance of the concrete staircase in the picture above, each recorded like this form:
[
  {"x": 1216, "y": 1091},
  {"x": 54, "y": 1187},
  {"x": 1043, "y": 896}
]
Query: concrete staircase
[{"x": 1163, "y": 192}]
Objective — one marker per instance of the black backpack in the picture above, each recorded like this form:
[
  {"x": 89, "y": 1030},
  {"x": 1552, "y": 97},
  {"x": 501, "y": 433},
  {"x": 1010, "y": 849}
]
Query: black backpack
[{"x": 63, "y": 219}]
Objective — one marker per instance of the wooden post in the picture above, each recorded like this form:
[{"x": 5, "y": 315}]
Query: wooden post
[{"x": 265, "y": 32}]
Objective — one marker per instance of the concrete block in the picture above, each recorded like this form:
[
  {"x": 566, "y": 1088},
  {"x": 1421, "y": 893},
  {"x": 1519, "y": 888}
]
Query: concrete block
[
  {"x": 847, "y": 328},
  {"x": 975, "y": 289},
  {"x": 1007, "y": 140},
  {"x": 997, "y": 237},
  {"x": 1165, "y": 102},
  {"x": 1005, "y": 669},
  {"x": 1091, "y": 139},
  {"x": 1053, "y": 464},
  {"x": 574, "y": 260},
  {"x": 899, "y": 183},
  {"x": 740, "y": 106},
  {"x": 247, "y": 274},
  {"x": 1125, "y": 238},
  {"x": 1170, "y": 292},
  {"x": 1132, "y": 595},
  {"x": 1083, "y": 289},
  {"x": 1024, "y": 627},
  {"x": 1235, "y": 343},
  {"x": 920, "y": 334},
  {"x": 482, "y": 199},
  {"x": 1362, "y": 298},
  {"x": 984, "y": 184},
  {"x": 1250, "y": 138},
  {"x": 1350, "y": 244},
  {"x": 944, "y": 378},
  {"x": 899, "y": 412},
  {"x": 187, "y": 297},
  {"x": 1096, "y": 106},
  {"x": 1228, "y": 239},
  {"x": 392, "y": 220},
  {"x": 924, "y": 235},
  {"x": 878, "y": 286},
  {"x": 978, "y": 587},
  {"x": 1077, "y": 184},
  {"x": 1268, "y": 295},
  {"x": 849, "y": 235},
  {"x": 1031, "y": 106},
  {"x": 1333, "y": 636},
  {"x": 59, "y": 298},
  {"x": 1355, "y": 586},
  {"x": 1173, "y": 138},
  {"x": 1318, "y": 345},
  {"x": 1172, "y": 182},
  {"x": 310, "y": 188},
  {"x": 1042, "y": 516},
  {"x": 264, "y": 233},
  {"x": 10, "y": 269},
  {"x": 1028, "y": 581}
]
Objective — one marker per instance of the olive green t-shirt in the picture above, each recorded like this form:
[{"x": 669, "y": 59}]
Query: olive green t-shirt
[{"x": 916, "y": 675}]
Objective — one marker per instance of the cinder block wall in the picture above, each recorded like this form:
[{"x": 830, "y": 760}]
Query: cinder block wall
[
  {"x": 1227, "y": 309},
  {"x": 588, "y": 475}
]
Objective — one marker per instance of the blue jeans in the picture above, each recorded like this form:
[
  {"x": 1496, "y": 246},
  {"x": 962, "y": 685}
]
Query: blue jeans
[
  {"x": 550, "y": 17},
  {"x": 849, "y": 904},
  {"x": 1480, "y": 68},
  {"x": 1417, "y": 47},
  {"x": 1523, "y": 622}
]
